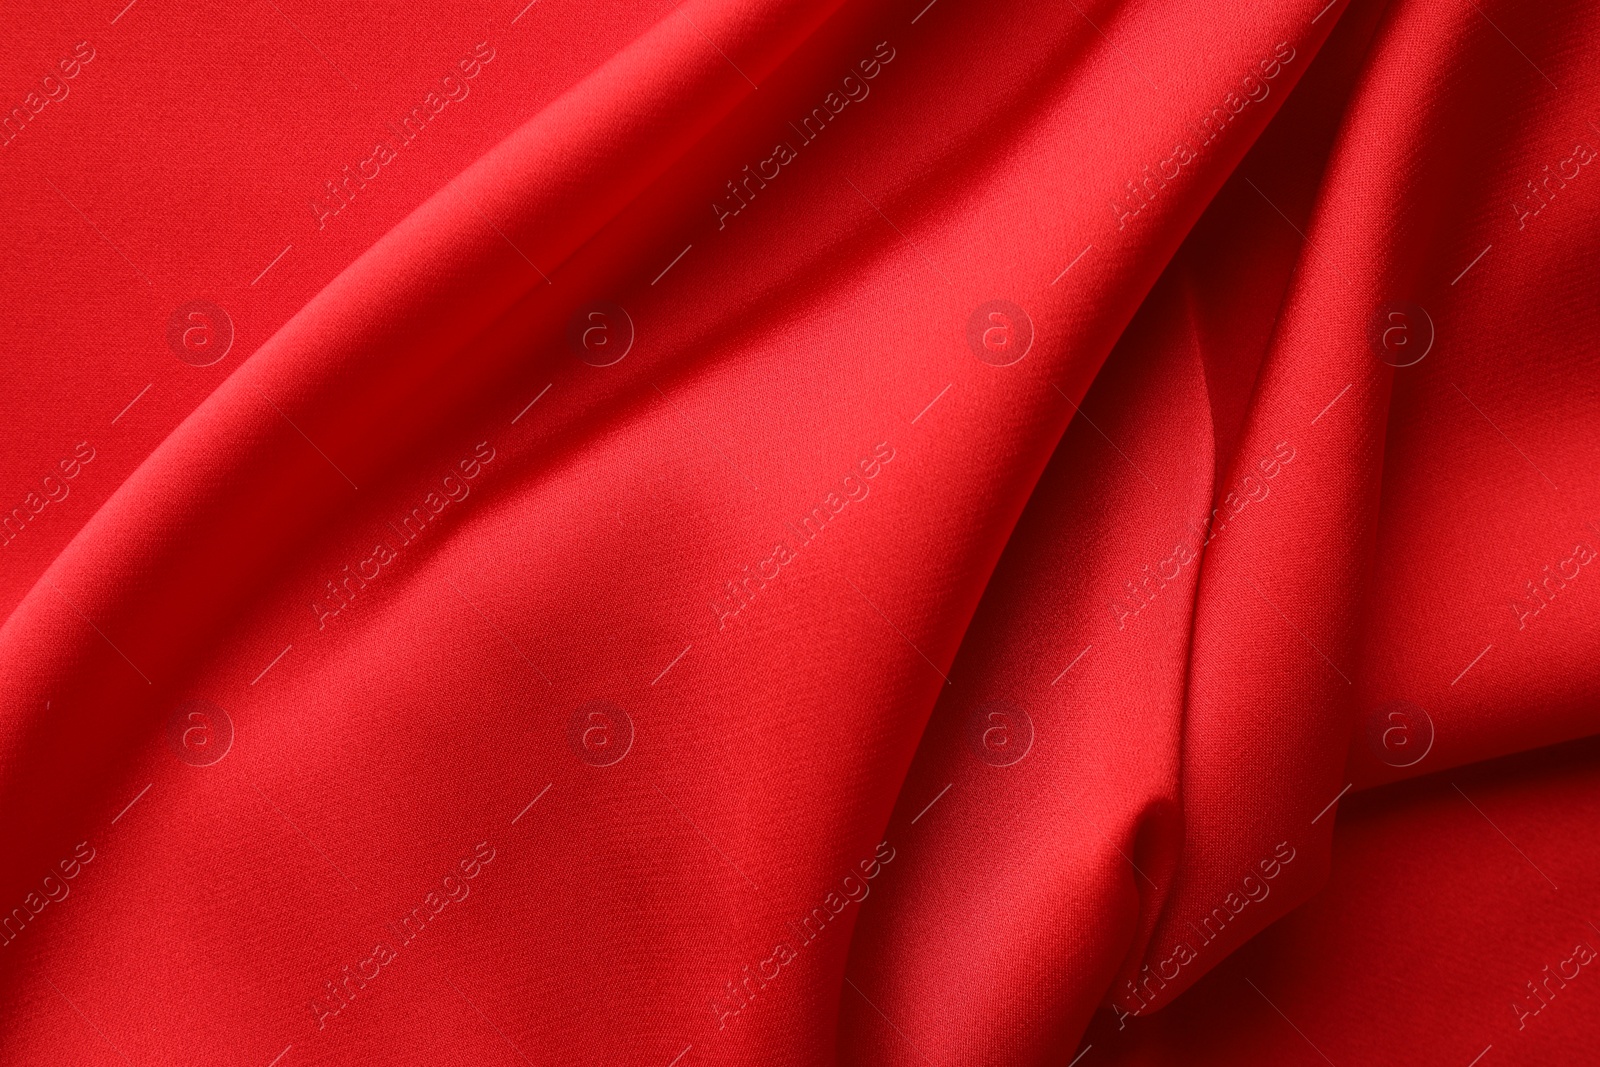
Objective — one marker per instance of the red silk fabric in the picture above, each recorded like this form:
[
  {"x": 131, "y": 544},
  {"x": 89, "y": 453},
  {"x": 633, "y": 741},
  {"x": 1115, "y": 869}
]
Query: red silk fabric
[{"x": 776, "y": 532}]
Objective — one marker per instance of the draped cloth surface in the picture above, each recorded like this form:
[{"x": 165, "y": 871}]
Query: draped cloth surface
[{"x": 777, "y": 532}]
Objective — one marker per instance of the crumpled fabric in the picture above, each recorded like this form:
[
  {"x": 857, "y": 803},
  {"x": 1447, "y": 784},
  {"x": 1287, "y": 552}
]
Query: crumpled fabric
[{"x": 760, "y": 532}]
